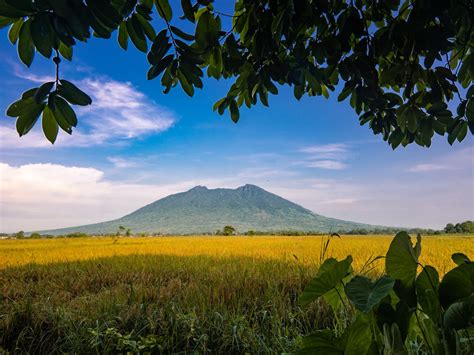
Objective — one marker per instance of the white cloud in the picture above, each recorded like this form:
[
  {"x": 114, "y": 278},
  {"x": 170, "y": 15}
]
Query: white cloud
[
  {"x": 122, "y": 163},
  {"x": 327, "y": 164},
  {"x": 328, "y": 156},
  {"x": 421, "y": 168},
  {"x": 119, "y": 112},
  {"x": 43, "y": 196}
]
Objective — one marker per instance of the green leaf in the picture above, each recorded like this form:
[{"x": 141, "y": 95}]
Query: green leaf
[
  {"x": 187, "y": 87},
  {"x": 14, "y": 31},
  {"x": 26, "y": 121},
  {"x": 322, "y": 342},
  {"x": 401, "y": 262},
  {"x": 457, "y": 284},
  {"x": 50, "y": 126},
  {"x": 234, "y": 111},
  {"x": 123, "y": 36},
  {"x": 147, "y": 27},
  {"x": 460, "y": 315},
  {"x": 460, "y": 258},
  {"x": 136, "y": 34},
  {"x": 330, "y": 277},
  {"x": 182, "y": 34},
  {"x": 41, "y": 34},
  {"x": 164, "y": 9},
  {"x": 22, "y": 106},
  {"x": 360, "y": 336},
  {"x": 188, "y": 9},
  {"x": 427, "y": 286},
  {"x": 365, "y": 294},
  {"x": 65, "y": 51},
  {"x": 63, "y": 110},
  {"x": 43, "y": 91},
  {"x": 157, "y": 69},
  {"x": 26, "y": 48},
  {"x": 73, "y": 94}
]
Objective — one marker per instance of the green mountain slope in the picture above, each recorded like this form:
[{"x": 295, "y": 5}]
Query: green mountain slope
[{"x": 203, "y": 210}]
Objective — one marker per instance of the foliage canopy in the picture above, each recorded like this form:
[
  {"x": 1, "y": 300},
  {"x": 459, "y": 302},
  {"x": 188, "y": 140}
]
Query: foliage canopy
[{"x": 404, "y": 65}]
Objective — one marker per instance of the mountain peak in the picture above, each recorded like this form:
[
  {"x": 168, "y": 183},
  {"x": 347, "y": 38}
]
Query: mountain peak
[{"x": 203, "y": 210}]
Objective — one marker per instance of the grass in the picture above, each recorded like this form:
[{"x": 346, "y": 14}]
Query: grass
[{"x": 174, "y": 294}]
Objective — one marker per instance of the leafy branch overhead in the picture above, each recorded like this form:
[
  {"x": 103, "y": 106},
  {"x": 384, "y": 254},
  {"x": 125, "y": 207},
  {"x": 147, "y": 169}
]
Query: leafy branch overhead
[{"x": 405, "y": 66}]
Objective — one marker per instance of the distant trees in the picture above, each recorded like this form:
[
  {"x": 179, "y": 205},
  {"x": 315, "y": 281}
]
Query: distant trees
[
  {"x": 228, "y": 230},
  {"x": 463, "y": 227}
]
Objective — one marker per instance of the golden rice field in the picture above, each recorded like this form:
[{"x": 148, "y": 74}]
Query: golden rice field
[
  {"x": 197, "y": 294},
  {"x": 436, "y": 250}
]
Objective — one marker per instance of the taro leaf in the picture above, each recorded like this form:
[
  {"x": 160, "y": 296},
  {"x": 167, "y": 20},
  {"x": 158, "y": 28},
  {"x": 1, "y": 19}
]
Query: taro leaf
[
  {"x": 360, "y": 336},
  {"x": 457, "y": 284},
  {"x": 460, "y": 258},
  {"x": 393, "y": 340},
  {"x": 460, "y": 315},
  {"x": 331, "y": 277},
  {"x": 401, "y": 261},
  {"x": 427, "y": 286},
  {"x": 50, "y": 126},
  {"x": 73, "y": 94},
  {"x": 323, "y": 342},
  {"x": 365, "y": 294}
]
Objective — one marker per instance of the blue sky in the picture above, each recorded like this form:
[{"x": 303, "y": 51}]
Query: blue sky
[{"x": 136, "y": 144}]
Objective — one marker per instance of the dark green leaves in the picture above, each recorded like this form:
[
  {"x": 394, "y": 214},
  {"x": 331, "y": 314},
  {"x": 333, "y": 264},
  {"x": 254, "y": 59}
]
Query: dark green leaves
[
  {"x": 41, "y": 34},
  {"x": 26, "y": 48},
  {"x": 164, "y": 9},
  {"x": 401, "y": 262},
  {"x": 73, "y": 94},
  {"x": 157, "y": 69},
  {"x": 457, "y": 284},
  {"x": 365, "y": 294},
  {"x": 43, "y": 91},
  {"x": 329, "y": 277},
  {"x": 50, "y": 126}
]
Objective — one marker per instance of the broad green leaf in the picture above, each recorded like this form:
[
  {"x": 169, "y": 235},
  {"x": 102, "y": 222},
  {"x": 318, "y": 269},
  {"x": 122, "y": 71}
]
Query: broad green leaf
[
  {"x": 460, "y": 258},
  {"x": 460, "y": 315},
  {"x": 26, "y": 48},
  {"x": 322, "y": 342},
  {"x": 187, "y": 87},
  {"x": 427, "y": 290},
  {"x": 401, "y": 262},
  {"x": 325, "y": 281},
  {"x": 49, "y": 124},
  {"x": 457, "y": 284},
  {"x": 360, "y": 336},
  {"x": 73, "y": 94},
  {"x": 65, "y": 51},
  {"x": 365, "y": 294},
  {"x": 22, "y": 106},
  {"x": 148, "y": 29},
  {"x": 181, "y": 33}
]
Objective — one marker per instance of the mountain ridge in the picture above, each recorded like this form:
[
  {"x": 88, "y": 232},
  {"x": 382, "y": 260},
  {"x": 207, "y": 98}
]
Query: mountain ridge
[{"x": 203, "y": 210}]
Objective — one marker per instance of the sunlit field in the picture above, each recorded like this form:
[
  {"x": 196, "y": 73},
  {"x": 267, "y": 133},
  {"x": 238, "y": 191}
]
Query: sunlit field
[
  {"x": 306, "y": 250},
  {"x": 176, "y": 294}
]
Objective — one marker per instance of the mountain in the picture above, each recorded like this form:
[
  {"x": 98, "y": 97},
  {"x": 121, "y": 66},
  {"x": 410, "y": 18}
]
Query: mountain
[{"x": 203, "y": 210}]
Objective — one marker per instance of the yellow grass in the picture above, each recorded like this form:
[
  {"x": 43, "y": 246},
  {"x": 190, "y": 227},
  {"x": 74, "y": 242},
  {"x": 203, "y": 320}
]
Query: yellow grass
[{"x": 436, "y": 250}]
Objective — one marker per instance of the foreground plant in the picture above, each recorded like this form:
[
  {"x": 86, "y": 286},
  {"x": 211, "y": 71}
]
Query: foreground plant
[{"x": 399, "y": 313}]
